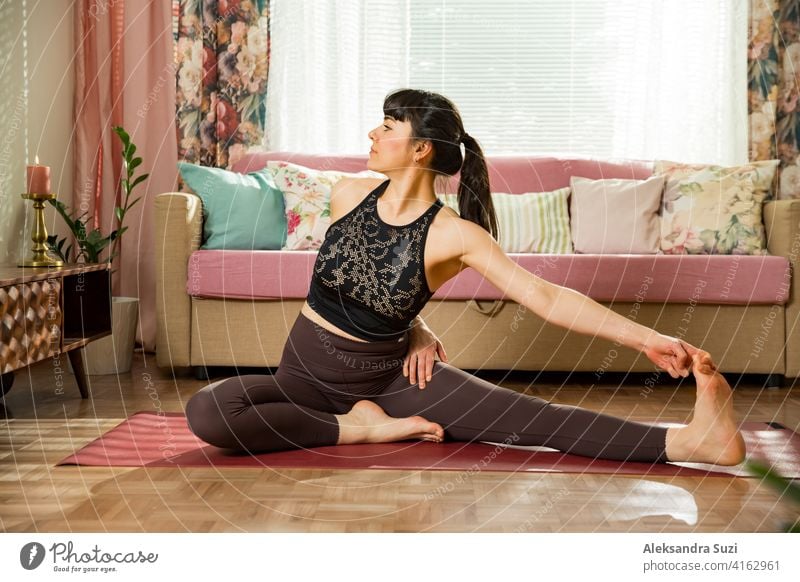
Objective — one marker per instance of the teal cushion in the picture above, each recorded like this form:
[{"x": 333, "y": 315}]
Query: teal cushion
[{"x": 240, "y": 211}]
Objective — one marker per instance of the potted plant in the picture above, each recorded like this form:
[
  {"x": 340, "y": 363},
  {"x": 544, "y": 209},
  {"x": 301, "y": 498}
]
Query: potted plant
[
  {"x": 111, "y": 354},
  {"x": 784, "y": 486}
]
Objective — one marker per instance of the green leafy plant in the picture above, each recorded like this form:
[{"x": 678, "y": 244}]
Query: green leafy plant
[
  {"x": 92, "y": 243},
  {"x": 784, "y": 486}
]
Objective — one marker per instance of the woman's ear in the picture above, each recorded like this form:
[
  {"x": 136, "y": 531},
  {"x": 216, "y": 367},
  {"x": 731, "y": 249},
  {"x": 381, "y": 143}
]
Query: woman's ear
[{"x": 422, "y": 149}]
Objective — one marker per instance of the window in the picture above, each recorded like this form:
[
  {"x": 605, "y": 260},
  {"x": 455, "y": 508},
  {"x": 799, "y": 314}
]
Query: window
[{"x": 605, "y": 78}]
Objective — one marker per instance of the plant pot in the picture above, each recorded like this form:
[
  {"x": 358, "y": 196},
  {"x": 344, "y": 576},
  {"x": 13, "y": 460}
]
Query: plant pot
[{"x": 113, "y": 353}]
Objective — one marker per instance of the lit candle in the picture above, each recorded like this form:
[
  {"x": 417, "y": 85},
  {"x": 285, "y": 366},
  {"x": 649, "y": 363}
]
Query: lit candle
[{"x": 38, "y": 178}]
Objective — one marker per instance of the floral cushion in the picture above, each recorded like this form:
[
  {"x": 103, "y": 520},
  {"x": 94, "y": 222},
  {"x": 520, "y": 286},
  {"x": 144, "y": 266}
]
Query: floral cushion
[
  {"x": 534, "y": 222},
  {"x": 711, "y": 209},
  {"x": 307, "y": 197}
]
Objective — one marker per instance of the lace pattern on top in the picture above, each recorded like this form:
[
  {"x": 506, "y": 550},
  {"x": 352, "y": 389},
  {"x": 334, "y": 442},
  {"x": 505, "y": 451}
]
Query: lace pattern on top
[{"x": 373, "y": 264}]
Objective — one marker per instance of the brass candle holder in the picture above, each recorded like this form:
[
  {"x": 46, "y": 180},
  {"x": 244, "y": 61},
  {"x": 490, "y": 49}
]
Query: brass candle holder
[{"x": 40, "y": 257}]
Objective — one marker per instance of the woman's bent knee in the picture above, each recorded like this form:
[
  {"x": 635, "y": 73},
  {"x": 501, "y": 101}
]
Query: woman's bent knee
[{"x": 206, "y": 420}]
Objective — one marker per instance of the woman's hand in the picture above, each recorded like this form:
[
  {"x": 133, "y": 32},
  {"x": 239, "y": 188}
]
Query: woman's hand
[
  {"x": 422, "y": 348},
  {"x": 670, "y": 353}
]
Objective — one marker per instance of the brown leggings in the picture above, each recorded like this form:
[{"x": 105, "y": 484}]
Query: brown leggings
[{"x": 321, "y": 374}]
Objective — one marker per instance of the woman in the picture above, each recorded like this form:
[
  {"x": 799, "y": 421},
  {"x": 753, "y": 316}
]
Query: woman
[{"x": 344, "y": 373}]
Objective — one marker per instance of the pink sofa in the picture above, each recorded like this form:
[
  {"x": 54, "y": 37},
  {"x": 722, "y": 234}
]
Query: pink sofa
[{"x": 235, "y": 308}]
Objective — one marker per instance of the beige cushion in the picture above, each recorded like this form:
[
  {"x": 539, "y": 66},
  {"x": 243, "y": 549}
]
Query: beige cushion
[{"x": 616, "y": 216}]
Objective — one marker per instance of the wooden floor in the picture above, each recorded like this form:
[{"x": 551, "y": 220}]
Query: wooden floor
[{"x": 47, "y": 420}]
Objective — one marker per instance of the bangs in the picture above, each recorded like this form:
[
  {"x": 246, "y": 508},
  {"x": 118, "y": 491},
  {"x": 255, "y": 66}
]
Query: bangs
[{"x": 401, "y": 105}]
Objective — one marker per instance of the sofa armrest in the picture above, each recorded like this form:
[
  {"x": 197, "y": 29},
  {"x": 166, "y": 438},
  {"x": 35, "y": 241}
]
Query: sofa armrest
[
  {"x": 782, "y": 223},
  {"x": 178, "y": 232}
]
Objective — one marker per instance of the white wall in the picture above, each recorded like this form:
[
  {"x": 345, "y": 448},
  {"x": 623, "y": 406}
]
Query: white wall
[
  {"x": 13, "y": 126},
  {"x": 37, "y": 39}
]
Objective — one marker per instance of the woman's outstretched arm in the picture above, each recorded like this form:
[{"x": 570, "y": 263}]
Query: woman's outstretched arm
[{"x": 566, "y": 307}]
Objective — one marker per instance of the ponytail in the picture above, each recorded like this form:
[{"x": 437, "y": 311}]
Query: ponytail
[{"x": 474, "y": 195}]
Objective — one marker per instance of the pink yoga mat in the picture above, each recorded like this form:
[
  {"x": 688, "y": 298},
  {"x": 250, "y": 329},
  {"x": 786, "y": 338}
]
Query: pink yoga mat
[{"x": 148, "y": 439}]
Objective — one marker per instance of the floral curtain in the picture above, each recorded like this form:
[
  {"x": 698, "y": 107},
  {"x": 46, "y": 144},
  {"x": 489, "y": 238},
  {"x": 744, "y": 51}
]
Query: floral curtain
[
  {"x": 773, "y": 64},
  {"x": 222, "y": 60}
]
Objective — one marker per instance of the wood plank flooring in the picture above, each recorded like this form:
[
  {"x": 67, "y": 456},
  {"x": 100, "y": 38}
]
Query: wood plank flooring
[{"x": 46, "y": 420}]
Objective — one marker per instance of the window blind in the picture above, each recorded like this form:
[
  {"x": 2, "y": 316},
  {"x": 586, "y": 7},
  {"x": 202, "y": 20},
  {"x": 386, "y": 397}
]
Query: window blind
[{"x": 621, "y": 78}]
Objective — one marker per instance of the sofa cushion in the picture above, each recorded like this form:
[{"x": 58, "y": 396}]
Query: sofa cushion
[
  {"x": 240, "y": 211},
  {"x": 709, "y": 209},
  {"x": 514, "y": 174},
  {"x": 533, "y": 222},
  {"x": 307, "y": 197},
  {"x": 616, "y": 216},
  {"x": 714, "y": 279}
]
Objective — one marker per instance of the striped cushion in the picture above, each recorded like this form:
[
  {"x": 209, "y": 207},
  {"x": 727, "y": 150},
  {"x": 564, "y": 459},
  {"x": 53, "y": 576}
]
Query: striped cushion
[{"x": 535, "y": 222}]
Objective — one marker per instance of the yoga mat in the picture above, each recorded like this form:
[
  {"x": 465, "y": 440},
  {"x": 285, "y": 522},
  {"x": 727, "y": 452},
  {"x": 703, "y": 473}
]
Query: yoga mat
[{"x": 148, "y": 439}]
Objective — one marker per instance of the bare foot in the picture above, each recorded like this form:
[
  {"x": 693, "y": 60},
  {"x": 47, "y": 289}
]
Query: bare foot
[
  {"x": 368, "y": 423},
  {"x": 713, "y": 435}
]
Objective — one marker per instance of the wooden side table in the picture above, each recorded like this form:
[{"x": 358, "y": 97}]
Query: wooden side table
[{"x": 49, "y": 311}]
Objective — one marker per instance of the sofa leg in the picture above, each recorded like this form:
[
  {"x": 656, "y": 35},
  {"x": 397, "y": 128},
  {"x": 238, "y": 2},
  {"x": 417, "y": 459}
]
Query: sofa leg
[
  {"x": 774, "y": 381},
  {"x": 200, "y": 372}
]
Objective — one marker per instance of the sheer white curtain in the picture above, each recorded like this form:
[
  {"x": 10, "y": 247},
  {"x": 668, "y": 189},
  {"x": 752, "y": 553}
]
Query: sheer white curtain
[
  {"x": 331, "y": 65},
  {"x": 680, "y": 89},
  {"x": 607, "y": 78}
]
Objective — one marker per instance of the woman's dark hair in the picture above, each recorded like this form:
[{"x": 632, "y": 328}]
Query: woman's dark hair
[{"x": 434, "y": 117}]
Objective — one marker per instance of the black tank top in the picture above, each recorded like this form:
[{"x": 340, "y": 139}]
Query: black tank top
[{"x": 369, "y": 276}]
